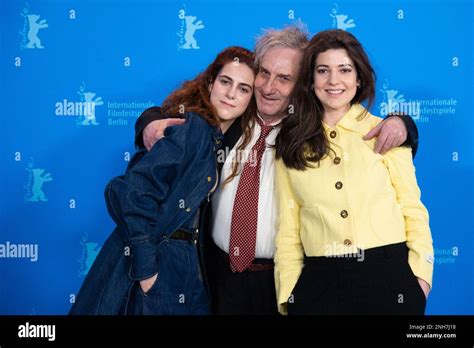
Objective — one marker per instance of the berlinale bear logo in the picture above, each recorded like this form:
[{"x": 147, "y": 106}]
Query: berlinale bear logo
[
  {"x": 34, "y": 186},
  {"x": 31, "y": 27},
  {"x": 187, "y": 31}
]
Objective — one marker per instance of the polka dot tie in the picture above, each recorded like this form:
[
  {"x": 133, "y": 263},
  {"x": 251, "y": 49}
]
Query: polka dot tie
[{"x": 243, "y": 231}]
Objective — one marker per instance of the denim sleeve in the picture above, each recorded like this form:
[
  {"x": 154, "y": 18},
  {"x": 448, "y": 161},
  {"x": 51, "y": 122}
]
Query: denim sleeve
[{"x": 133, "y": 199}]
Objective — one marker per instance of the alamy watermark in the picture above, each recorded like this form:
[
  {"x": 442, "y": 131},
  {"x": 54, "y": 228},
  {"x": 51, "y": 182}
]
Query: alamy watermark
[
  {"x": 21, "y": 251},
  {"x": 240, "y": 156},
  {"x": 337, "y": 250},
  {"x": 28, "y": 330}
]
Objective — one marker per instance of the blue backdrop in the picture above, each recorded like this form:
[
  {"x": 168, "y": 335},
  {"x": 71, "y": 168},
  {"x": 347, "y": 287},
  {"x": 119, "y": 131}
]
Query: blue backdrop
[{"x": 58, "y": 58}]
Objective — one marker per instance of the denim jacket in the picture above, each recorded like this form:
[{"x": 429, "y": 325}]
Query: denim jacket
[{"x": 160, "y": 192}]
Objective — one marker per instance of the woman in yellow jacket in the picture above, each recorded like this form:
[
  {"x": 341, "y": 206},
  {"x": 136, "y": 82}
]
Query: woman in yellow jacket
[{"x": 353, "y": 236}]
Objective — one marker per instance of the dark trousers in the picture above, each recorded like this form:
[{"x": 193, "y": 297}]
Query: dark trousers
[
  {"x": 245, "y": 293},
  {"x": 381, "y": 282}
]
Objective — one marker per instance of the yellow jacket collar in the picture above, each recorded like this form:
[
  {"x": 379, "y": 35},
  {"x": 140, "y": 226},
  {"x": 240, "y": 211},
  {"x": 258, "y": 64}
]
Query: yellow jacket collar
[{"x": 354, "y": 119}]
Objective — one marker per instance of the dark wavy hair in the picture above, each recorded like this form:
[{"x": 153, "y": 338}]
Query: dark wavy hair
[{"x": 302, "y": 138}]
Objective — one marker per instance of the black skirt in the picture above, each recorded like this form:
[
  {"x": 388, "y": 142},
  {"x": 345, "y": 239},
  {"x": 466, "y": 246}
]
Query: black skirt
[{"x": 377, "y": 281}]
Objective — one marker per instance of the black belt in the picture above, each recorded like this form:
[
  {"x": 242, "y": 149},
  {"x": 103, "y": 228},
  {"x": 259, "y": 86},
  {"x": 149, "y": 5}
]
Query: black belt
[{"x": 191, "y": 236}]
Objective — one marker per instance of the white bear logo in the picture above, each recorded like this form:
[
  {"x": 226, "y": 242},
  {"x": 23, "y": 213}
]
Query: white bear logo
[
  {"x": 191, "y": 28},
  {"x": 90, "y": 250},
  {"x": 391, "y": 95},
  {"x": 89, "y": 102},
  {"x": 89, "y": 111},
  {"x": 339, "y": 20},
  {"x": 34, "y": 27},
  {"x": 38, "y": 180}
]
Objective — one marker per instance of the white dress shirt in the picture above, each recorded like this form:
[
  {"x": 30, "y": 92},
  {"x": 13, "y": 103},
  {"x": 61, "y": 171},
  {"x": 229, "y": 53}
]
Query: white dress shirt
[{"x": 223, "y": 198}]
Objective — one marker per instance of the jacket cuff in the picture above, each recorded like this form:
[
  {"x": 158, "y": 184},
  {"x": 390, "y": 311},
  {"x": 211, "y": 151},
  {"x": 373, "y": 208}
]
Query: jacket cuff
[
  {"x": 422, "y": 266},
  {"x": 412, "y": 132},
  {"x": 148, "y": 116},
  {"x": 144, "y": 262}
]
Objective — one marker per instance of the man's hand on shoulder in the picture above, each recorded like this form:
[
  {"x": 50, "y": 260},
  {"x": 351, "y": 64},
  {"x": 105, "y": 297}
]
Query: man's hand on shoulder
[{"x": 155, "y": 130}]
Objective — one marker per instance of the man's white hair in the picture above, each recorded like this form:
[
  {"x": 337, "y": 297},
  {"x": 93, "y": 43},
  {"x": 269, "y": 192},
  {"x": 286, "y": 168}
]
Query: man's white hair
[{"x": 293, "y": 36}]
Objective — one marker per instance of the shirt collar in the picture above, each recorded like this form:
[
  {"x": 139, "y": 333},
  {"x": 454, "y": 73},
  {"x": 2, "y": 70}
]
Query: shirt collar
[
  {"x": 353, "y": 120},
  {"x": 273, "y": 124}
]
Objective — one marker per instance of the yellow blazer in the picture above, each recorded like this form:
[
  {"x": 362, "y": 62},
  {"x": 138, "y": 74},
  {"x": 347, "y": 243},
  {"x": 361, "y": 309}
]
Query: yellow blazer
[{"x": 355, "y": 199}]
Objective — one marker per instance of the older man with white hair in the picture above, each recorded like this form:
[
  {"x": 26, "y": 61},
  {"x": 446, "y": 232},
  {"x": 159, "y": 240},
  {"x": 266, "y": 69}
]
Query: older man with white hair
[{"x": 244, "y": 210}]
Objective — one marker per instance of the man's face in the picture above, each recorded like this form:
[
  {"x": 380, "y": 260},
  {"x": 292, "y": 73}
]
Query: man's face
[{"x": 275, "y": 81}]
